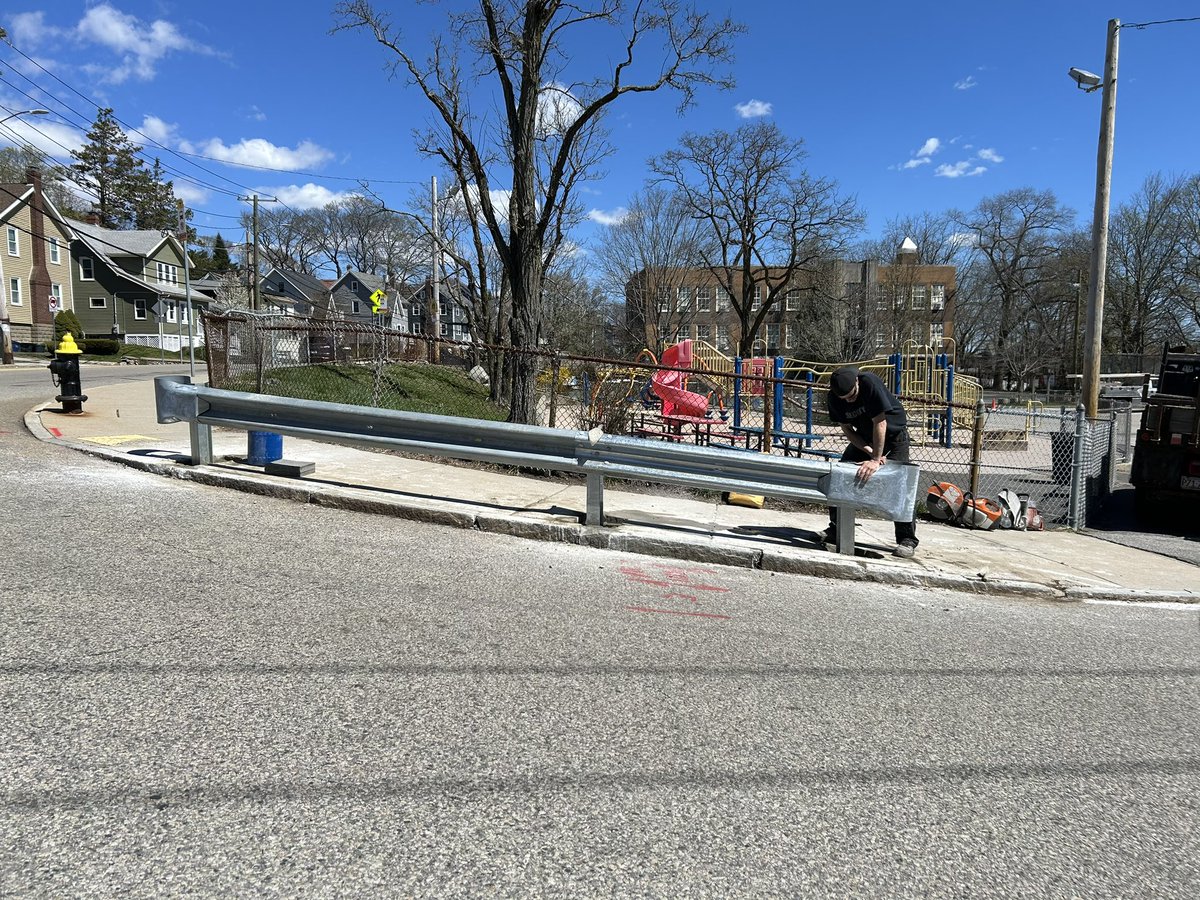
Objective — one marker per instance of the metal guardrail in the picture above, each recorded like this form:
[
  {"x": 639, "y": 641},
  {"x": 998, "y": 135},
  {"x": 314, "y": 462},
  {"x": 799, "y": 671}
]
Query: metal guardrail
[{"x": 594, "y": 454}]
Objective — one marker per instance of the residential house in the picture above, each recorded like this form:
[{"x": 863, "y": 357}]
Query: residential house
[
  {"x": 293, "y": 293},
  {"x": 453, "y": 303},
  {"x": 352, "y": 299},
  {"x": 131, "y": 285},
  {"x": 35, "y": 262}
]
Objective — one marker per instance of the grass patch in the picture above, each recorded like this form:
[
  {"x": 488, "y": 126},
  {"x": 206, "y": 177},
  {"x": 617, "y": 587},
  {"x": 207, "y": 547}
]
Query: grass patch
[{"x": 413, "y": 387}]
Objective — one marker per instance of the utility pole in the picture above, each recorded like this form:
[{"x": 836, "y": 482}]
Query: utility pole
[
  {"x": 1104, "y": 154},
  {"x": 253, "y": 285}
]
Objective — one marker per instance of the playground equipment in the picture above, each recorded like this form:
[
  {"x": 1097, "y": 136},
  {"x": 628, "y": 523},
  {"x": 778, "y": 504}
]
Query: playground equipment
[{"x": 670, "y": 385}]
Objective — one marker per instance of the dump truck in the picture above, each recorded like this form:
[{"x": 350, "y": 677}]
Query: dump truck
[{"x": 1166, "y": 453}]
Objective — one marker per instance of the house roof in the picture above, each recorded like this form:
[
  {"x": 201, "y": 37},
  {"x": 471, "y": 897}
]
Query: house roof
[
  {"x": 100, "y": 241},
  {"x": 309, "y": 285},
  {"x": 127, "y": 243},
  {"x": 366, "y": 279}
]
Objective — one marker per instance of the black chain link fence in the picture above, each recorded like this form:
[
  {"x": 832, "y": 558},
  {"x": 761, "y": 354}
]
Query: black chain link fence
[{"x": 1061, "y": 461}]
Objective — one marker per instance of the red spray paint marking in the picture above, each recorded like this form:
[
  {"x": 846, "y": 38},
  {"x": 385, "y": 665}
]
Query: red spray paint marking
[
  {"x": 677, "y": 612},
  {"x": 55, "y": 432}
]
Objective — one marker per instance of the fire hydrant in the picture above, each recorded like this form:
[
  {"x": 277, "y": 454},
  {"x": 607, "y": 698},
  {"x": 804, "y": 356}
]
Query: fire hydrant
[{"x": 64, "y": 371}]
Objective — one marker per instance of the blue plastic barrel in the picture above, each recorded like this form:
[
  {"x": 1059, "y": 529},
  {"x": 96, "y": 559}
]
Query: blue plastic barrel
[{"x": 263, "y": 447}]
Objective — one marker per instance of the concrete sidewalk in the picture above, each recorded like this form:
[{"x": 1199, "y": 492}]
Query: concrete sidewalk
[{"x": 120, "y": 424}]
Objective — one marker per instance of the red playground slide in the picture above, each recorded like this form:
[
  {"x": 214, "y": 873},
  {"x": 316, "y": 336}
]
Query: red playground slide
[{"x": 669, "y": 384}]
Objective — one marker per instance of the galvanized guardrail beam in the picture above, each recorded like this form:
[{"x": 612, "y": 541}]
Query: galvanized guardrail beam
[{"x": 892, "y": 491}]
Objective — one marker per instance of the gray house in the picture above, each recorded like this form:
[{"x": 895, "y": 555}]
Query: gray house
[{"x": 288, "y": 292}]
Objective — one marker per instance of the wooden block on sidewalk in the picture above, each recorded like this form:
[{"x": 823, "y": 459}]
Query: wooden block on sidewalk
[{"x": 290, "y": 468}]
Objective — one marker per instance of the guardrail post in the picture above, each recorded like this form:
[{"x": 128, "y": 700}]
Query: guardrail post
[
  {"x": 977, "y": 446},
  {"x": 845, "y": 530},
  {"x": 1077, "y": 460},
  {"x": 595, "y": 500},
  {"x": 201, "y": 441}
]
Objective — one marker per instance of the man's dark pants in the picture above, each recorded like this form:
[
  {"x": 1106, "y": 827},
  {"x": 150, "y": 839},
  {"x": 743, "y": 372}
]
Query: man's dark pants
[{"x": 895, "y": 448}]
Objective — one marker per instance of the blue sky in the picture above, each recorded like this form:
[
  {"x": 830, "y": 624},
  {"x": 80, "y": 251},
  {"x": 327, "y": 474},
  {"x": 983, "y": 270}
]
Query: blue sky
[{"x": 910, "y": 107}]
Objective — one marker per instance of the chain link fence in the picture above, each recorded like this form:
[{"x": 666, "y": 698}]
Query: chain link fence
[{"x": 1064, "y": 463}]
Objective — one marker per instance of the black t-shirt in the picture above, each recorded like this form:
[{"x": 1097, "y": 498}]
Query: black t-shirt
[{"x": 873, "y": 398}]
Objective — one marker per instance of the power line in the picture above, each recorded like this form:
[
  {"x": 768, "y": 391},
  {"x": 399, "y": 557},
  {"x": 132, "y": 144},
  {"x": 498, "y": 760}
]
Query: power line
[{"x": 1159, "y": 22}]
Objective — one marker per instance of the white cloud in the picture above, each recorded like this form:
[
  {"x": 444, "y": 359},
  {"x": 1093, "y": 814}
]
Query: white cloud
[
  {"x": 261, "y": 152},
  {"x": 965, "y": 84},
  {"x": 140, "y": 45},
  {"x": 959, "y": 170},
  {"x": 189, "y": 193},
  {"x": 27, "y": 29},
  {"x": 922, "y": 156},
  {"x": 990, "y": 155},
  {"x": 155, "y": 129},
  {"x": 616, "y": 217},
  {"x": 306, "y": 196},
  {"x": 257, "y": 114},
  {"x": 753, "y": 109},
  {"x": 929, "y": 148},
  {"x": 557, "y": 109}
]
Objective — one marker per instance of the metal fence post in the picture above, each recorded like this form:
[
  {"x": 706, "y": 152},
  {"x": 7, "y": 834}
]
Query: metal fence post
[
  {"x": 1112, "y": 453},
  {"x": 977, "y": 446},
  {"x": 595, "y": 500},
  {"x": 554, "y": 375},
  {"x": 1077, "y": 461}
]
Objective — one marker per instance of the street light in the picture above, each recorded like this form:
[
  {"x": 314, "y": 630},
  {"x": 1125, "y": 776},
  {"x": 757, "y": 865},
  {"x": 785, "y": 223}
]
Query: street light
[
  {"x": 6, "y": 354},
  {"x": 1095, "y": 310}
]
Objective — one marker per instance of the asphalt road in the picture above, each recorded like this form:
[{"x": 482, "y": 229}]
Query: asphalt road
[{"x": 208, "y": 693}]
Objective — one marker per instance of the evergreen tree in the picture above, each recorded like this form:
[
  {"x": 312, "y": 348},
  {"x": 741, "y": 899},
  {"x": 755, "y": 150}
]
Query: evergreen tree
[
  {"x": 108, "y": 167},
  {"x": 220, "y": 255},
  {"x": 128, "y": 193}
]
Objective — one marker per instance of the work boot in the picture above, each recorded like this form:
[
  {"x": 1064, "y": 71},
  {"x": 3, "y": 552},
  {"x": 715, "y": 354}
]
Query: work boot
[{"x": 905, "y": 549}]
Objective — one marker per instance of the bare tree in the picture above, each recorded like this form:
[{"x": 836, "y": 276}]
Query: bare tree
[
  {"x": 525, "y": 46},
  {"x": 646, "y": 258},
  {"x": 768, "y": 221},
  {"x": 1016, "y": 236},
  {"x": 1146, "y": 251}
]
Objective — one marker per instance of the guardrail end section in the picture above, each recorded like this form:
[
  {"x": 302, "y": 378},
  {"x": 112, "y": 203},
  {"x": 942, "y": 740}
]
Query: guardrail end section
[{"x": 171, "y": 404}]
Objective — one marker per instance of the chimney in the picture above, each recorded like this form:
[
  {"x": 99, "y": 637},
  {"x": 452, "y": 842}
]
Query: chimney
[
  {"x": 39, "y": 277},
  {"x": 93, "y": 217}
]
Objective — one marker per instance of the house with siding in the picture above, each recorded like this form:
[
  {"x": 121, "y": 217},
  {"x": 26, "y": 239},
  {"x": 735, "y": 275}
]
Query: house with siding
[
  {"x": 35, "y": 262},
  {"x": 130, "y": 285},
  {"x": 292, "y": 293}
]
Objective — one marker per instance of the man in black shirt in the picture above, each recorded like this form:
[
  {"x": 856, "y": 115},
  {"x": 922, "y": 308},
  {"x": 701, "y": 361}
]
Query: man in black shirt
[{"x": 874, "y": 422}]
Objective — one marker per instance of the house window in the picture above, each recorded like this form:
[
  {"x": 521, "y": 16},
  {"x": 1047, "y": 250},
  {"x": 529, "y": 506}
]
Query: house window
[
  {"x": 170, "y": 310},
  {"x": 683, "y": 298},
  {"x": 184, "y": 313},
  {"x": 445, "y": 329},
  {"x": 722, "y": 337},
  {"x": 14, "y": 249},
  {"x": 773, "y": 336},
  {"x": 793, "y": 299},
  {"x": 354, "y": 285},
  {"x": 418, "y": 326},
  {"x": 56, "y": 293},
  {"x": 97, "y": 302},
  {"x": 86, "y": 270},
  {"x": 167, "y": 273},
  {"x": 918, "y": 296},
  {"x": 704, "y": 333},
  {"x": 54, "y": 257},
  {"x": 722, "y": 299},
  {"x": 354, "y": 306},
  {"x": 139, "y": 310},
  {"x": 14, "y": 291},
  {"x": 664, "y": 300},
  {"x": 704, "y": 299},
  {"x": 937, "y": 298}
]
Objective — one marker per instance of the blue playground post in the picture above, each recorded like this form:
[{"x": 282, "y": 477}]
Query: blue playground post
[
  {"x": 948, "y": 430},
  {"x": 897, "y": 361},
  {"x": 777, "y": 374},
  {"x": 737, "y": 392}
]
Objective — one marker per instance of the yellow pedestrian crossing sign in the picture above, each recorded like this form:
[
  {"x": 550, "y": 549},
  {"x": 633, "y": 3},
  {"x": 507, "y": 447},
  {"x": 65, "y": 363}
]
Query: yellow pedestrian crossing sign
[{"x": 377, "y": 301}]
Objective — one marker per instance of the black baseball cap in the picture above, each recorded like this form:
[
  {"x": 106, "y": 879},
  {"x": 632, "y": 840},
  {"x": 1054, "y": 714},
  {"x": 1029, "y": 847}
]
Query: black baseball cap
[{"x": 843, "y": 380}]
